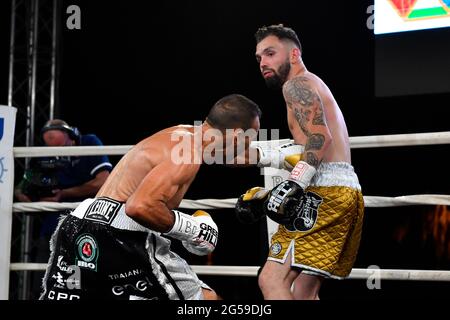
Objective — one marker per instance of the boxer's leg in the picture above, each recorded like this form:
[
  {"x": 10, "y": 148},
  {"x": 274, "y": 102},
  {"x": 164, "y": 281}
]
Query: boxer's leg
[{"x": 276, "y": 279}]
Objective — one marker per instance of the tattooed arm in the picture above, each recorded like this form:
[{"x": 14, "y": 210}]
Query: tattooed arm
[
  {"x": 303, "y": 100},
  {"x": 305, "y": 103}
]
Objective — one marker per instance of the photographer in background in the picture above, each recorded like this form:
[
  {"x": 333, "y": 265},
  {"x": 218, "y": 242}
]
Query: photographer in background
[
  {"x": 69, "y": 179},
  {"x": 61, "y": 179}
]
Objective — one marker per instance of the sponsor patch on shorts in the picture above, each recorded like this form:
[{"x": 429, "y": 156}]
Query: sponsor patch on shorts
[
  {"x": 87, "y": 252},
  {"x": 275, "y": 248}
]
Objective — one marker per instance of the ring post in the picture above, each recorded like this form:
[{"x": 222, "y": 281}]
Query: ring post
[
  {"x": 272, "y": 177},
  {"x": 7, "y": 125}
]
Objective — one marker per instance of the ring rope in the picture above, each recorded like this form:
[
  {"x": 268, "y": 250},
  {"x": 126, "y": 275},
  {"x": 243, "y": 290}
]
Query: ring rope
[
  {"x": 399, "y": 140},
  {"x": 411, "y": 139},
  {"x": 33, "y": 152},
  {"x": 369, "y": 201},
  {"x": 252, "y": 271}
]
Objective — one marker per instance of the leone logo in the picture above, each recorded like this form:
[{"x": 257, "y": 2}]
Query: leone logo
[{"x": 87, "y": 252}]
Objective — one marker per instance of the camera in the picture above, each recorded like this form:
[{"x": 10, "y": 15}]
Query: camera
[{"x": 42, "y": 177}]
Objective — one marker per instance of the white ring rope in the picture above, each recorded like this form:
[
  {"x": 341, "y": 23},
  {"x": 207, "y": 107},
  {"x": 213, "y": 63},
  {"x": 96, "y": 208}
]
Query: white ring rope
[
  {"x": 393, "y": 140},
  {"x": 370, "y": 201},
  {"x": 247, "y": 271},
  {"x": 33, "y": 152},
  {"x": 401, "y": 140}
]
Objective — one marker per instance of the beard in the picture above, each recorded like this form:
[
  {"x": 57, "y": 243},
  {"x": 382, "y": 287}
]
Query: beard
[{"x": 279, "y": 77}]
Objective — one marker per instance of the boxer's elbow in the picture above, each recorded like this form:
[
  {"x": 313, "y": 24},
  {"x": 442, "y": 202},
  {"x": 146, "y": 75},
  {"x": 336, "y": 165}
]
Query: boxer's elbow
[
  {"x": 133, "y": 210},
  {"x": 319, "y": 141}
]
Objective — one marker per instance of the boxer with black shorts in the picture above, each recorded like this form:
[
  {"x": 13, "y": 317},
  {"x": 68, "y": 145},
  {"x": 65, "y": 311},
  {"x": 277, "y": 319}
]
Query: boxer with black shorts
[{"x": 112, "y": 246}]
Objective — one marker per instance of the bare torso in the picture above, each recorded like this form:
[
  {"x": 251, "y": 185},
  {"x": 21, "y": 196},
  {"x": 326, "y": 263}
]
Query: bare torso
[
  {"x": 339, "y": 149},
  {"x": 131, "y": 170}
]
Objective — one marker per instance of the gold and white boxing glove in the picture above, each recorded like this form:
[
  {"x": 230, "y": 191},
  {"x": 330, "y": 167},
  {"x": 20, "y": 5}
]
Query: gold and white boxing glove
[{"x": 285, "y": 156}]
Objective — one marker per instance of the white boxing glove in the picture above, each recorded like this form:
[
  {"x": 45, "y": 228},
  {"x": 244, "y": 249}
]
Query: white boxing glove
[
  {"x": 198, "y": 233},
  {"x": 302, "y": 174},
  {"x": 284, "y": 156}
]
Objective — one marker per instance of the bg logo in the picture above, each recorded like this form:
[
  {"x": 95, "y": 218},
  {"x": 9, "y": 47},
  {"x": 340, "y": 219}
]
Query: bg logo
[
  {"x": 414, "y": 9},
  {"x": 2, "y": 125}
]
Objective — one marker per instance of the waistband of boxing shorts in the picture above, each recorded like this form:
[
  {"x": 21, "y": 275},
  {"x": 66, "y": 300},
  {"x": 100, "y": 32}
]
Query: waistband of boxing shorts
[
  {"x": 107, "y": 211},
  {"x": 331, "y": 174}
]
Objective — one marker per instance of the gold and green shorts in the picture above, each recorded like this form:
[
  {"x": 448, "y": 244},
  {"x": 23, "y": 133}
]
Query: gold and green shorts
[{"x": 324, "y": 237}]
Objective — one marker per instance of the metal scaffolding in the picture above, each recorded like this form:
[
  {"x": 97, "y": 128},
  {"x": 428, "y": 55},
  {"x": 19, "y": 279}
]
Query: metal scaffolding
[{"x": 33, "y": 90}]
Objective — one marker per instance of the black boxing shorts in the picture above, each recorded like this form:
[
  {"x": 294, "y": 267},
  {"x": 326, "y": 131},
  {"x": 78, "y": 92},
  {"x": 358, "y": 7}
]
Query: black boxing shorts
[{"x": 92, "y": 260}]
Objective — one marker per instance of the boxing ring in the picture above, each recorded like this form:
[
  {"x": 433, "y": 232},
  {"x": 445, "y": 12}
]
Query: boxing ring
[{"x": 271, "y": 178}]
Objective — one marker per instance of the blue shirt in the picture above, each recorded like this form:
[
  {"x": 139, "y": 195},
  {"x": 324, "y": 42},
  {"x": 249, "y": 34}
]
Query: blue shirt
[
  {"x": 81, "y": 169},
  {"x": 78, "y": 171}
]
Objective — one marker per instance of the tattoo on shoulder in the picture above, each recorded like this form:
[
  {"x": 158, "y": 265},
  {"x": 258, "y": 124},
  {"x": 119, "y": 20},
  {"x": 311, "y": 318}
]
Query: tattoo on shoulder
[
  {"x": 308, "y": 109},
  {"x": 305, "y": 103},
  {"x": 298, "y": 90},
  {"x": 303, "y": 117}
]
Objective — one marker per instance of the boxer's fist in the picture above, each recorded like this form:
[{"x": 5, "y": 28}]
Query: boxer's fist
[
  {"x": 284, "y": 156},
  {"x": 206, "y": 239},
  {"x": 291, "y": 154},
  {"x": 285, "y": 199},
  {"x": 249, "y": 207},
  {"x": 198, "y": 233},
  {"x": 282, "y": 202}
]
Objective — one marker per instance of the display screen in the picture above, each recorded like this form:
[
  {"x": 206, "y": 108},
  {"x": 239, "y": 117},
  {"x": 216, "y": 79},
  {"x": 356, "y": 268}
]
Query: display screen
[{"x": 409, "y": 15}]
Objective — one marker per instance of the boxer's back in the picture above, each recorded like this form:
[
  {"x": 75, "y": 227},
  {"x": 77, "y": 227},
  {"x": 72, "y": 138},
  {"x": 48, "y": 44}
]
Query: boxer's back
[{"x": 140, "y": 160}]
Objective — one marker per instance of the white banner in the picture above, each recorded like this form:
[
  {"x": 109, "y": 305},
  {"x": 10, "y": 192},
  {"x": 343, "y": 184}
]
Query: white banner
[{"x": 7, "y": 126}]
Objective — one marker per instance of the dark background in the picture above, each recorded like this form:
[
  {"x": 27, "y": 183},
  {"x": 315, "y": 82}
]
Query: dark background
[
  {"x": 136, "y": 68},
  {"x": 411, "y": 63}
]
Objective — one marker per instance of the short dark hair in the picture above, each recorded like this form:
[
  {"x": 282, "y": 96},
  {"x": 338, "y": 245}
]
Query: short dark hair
[
  {"x": 232, "y": 112},
  {"x": 279, "y": 31}
]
